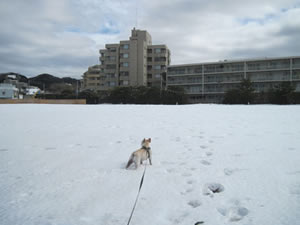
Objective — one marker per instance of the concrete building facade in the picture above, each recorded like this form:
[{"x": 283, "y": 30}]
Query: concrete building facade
[
  {"x": 8, "y": 91},
  {"x": 91, "y": 78},
  {"x": 208, "y": 82},
  {"x": 133, "y": 62}
]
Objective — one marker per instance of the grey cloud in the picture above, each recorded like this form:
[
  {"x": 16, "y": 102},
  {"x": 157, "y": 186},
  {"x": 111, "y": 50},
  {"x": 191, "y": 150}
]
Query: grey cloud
[{"x": 64, "y": 36}]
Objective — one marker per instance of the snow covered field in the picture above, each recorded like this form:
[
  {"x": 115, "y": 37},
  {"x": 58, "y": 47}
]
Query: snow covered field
[{"x": 64, "y": 164}]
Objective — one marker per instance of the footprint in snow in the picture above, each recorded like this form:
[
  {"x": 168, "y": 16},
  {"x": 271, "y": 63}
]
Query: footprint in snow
[
  {"x": 186, "y": 174},
  {"x": 228, "y": 171},
  {"x": 194, "y": 203},
  {"x": 171, "y": 170},
  {"x": 3, "y": 150},
  {"x": 187, "y": 191},
  {"x": 233, "y": 212},
  {"x": 190, "y": 181},
  {"x": 208, "y": 153},
  {"x": 50, "y": 148},
  {"x": 180, "y": 219},
  {"x": 204, "y": 162},
  {"x": 212, "y": 188}
]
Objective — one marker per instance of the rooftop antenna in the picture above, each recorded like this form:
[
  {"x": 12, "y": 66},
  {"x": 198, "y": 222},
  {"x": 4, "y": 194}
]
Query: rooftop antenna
[{"x": 136, "y": 13}]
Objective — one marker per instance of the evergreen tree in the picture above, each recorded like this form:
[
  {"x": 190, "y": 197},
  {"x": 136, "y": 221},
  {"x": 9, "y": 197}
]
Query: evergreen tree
[
  {"x": 282, "y": 93},
  {"x": 242, "y": 95}
]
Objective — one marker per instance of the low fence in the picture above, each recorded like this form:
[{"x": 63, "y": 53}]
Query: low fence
[{"x": 43, "y": 101}]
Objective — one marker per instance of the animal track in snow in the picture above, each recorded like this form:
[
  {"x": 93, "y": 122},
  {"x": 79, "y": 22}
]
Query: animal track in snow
[
  {"x": 293, "y": 173},
  {"x": 229, "y": 171},
  {"x": 50, "y": 148},
  {"x": 171, "y": 170},
  {"x": 180, "y": 219},
  {"x": 295, "y": 190},
  {"x": 189, "y": 190},
  {"x": 194, "y": 203},
  {"x": 208, "y": 153},
  {"x": 204, "y": 162},
  {"x": 233, "y": 213},
  {"x": 211, "y": 188},
  {"x": 177, "y": 139},
  {"x": 190, "y": 181},
  {"x": 186, "y": 174},
  {"x": 92, "y": 146},
  {"x": 3, "y": 150}
]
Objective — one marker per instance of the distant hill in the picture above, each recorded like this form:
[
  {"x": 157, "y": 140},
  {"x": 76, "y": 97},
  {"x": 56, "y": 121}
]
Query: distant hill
[
  {"x": 42, "y": 80},
  {"x": 47, "y": 80},
  {"x": 70, "y": 80},
  {"x": 19, "y": 77}
]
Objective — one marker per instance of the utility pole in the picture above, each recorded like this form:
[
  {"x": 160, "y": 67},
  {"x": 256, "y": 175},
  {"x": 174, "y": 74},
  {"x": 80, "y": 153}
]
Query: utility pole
[{"x": 77, "y": 89}]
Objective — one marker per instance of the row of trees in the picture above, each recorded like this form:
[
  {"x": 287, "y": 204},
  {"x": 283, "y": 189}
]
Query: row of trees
[
  {"x": 283, "y": 93},
  {"x": 126, "y": 95}
]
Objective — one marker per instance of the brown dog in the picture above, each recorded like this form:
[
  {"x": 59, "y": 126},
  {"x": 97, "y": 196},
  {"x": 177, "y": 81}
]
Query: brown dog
[{"x": 141, "y": 154}]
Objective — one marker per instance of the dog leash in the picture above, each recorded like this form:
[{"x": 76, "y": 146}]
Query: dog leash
[{"x": 137, "y": 197}]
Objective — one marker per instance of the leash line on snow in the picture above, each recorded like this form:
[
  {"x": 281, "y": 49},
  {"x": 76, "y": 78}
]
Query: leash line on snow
[{"x": 137, "y": 197}]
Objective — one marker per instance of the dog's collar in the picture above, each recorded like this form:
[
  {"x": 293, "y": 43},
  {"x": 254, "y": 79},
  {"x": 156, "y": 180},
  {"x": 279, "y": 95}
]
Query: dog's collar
[{"x": 146, "y": 148}]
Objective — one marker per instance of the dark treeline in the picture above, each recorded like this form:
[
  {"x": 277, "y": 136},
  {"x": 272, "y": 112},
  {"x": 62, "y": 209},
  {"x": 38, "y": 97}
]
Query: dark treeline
[
  {"x": 127, "y": 95},
  {"x": 283, "y": 94}
]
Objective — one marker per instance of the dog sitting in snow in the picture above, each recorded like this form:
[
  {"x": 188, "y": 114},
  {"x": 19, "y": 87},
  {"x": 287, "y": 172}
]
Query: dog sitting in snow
[{"x": 141, "y": 154}]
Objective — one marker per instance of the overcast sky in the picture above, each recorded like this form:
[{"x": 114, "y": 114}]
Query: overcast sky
[{"x": 63, "y": 37}]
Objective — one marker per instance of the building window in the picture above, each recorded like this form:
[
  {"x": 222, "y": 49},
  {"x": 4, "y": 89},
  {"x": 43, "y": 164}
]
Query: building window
[
  {"x": 124, "y": 73},
  {"x": 157, "y": 67},
  {"x": 111, "y": 66},
  {"x": 149, "y": 76},
  {"x": 157, "y": 75},
  {"x": 126, "y": 46},
  {"x": 125, "y": 55},
  {"x": 111, "y": 83},
  {"x": 149, "y": 51},
  {"x": 125, "y": 64},
  {"x": 112, "y": 49},
  {"x": 124, "y": 82},
  {"x": 157, "y": 50}
]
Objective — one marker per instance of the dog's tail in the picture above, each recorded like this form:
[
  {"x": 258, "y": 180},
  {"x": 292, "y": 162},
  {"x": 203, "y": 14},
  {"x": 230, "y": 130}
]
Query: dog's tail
[{"x": 130, "y": 161}]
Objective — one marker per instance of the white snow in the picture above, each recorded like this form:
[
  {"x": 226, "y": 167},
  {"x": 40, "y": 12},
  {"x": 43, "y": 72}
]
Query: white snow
[{"x": 64, "y": 164}]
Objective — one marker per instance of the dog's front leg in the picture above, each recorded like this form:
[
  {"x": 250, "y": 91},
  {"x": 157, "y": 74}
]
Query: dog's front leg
[{"x": 150, "y": 159}]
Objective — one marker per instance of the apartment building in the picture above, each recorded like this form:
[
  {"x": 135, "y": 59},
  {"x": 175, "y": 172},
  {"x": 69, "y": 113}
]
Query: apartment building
[
  {"x": 158, "y": 59},
  {"x": 133, "y": 62},
  {"x": 208, "y": 82},
  {"x": 91, "y": 78}
]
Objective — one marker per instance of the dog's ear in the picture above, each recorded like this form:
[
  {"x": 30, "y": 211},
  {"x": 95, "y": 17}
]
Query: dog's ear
[
  {"x": 143, "y": 140},
  {"x": 149, "y": 139}
]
